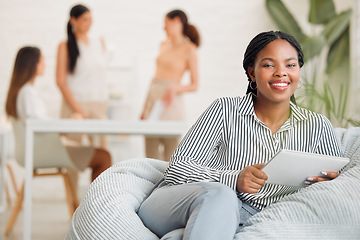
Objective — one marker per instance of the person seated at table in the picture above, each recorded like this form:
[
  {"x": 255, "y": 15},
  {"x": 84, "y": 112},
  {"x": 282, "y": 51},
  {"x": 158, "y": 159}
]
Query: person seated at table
[{"x": 23, "y": 102}]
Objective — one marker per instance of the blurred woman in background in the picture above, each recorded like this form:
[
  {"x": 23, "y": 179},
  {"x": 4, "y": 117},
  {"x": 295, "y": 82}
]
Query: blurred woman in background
[
  {"x": 177, "y": 54},
  {"x": 81, "y": 71},
  {"x": 23, "y": 102}
]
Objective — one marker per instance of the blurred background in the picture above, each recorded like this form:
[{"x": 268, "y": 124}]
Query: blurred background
[{"x": 133, "y": 31}]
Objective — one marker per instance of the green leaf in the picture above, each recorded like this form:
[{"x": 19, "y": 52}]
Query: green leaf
[
  {"x": 355, "y": 123},
  {"x": 321, "y": 11},
  {"x": 337, "y": 26},
  {"x": 283, "y": 19},
  {"x": 343, "y": 99},
  {"x": 338, "y": 52},
  {"x": 312, "y": 46}
]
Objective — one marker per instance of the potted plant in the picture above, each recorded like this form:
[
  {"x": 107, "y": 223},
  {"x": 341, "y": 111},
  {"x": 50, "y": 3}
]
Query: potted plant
[{"x": 326, "y": 78}]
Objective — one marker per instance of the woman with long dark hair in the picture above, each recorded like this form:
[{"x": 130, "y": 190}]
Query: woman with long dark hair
[
  {"x": 23, "y": 102},
  {"x": 214, "y": 181},
  {"x": 81, "y": 71},
  {"x": 177, "y": 55}
]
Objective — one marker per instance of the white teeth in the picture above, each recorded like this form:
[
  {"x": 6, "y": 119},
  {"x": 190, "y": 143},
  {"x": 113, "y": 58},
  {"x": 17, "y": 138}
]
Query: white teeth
[{"x": 279, "y": 84}]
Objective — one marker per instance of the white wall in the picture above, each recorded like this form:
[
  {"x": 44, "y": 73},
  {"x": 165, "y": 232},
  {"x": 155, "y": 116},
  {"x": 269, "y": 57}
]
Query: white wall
[
  {"x": 133, "y": 31},
  {"x": 355, "y": 59}
]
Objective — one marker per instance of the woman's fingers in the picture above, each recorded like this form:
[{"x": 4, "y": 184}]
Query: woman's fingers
[
  {"x": 258, "y": 173},
  {"x": 330, "y": 175},
  {"x": 251, "y": 179},
  {"x": 327, "y": 175},
  {"x": 167, "y": 100}
]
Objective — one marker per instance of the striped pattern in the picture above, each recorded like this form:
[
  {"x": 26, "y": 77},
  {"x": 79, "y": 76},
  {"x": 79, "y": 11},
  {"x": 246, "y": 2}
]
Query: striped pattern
[
  {"x": 228, "y": 137},
  {"x": 109, "y": 208},
  {"x": 328, "y": 210}
]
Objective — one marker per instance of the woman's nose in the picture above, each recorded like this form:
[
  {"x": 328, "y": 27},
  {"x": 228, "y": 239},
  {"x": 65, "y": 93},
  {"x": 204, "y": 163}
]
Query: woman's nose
[{"x": 280, "y": 71}]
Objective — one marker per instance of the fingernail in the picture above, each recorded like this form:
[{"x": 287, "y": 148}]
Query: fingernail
[
  {"x": 307, "y": 183},
  {"x": 310, "y": 179},
  {"x": 324, "y": 173}
]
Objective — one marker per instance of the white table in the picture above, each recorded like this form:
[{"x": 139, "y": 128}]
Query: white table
[{"x": 161, "y": 128}]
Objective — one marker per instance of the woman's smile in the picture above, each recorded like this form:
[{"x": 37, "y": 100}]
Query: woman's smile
[{"x": 279, "y": 85}]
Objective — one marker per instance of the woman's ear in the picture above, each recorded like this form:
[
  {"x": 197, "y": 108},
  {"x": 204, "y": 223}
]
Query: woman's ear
[
  {"x": 251, "y": 73},
  {"x": 73, "y": 21}
]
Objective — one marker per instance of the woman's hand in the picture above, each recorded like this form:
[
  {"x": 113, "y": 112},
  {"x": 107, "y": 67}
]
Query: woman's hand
[
  {"x": 327, "y": 175},
  {"x": 76, "y": 115},
  {"x": 169, "y": 96},
  {"x": 251, "y": 179}
]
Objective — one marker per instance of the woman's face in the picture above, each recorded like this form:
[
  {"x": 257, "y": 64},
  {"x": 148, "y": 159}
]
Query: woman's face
[
  {"x": 83, "y": 23},
  {"x": 276, "y": 71},
  {"x": 173, "y": 26},
  {"x": 40, "y": 67}
]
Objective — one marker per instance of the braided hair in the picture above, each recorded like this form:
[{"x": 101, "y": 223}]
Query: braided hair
[
  {"x": 189, "y": 30},
  {"x": 258, "y": 43},
  {"x": 73, "y": 49}
]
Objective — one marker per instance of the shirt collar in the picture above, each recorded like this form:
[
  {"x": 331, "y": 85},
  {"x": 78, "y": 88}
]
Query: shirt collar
[
  {"x": 297, "y": 114},
  {"x": 246, "y": 107}
]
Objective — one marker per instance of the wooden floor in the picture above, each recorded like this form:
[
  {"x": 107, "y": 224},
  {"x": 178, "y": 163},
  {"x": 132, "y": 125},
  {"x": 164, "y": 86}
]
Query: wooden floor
[
  {"x": 50, "y": 221},
  {"x": 50, "y": 216}
]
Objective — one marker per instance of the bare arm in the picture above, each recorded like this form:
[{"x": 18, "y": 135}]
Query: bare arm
[
  {"x": 194, "y": 73},
  {"x": 103, "y": 44},
  {"x": 194, "y": 79},
  {"x": 61, "y": 72}
]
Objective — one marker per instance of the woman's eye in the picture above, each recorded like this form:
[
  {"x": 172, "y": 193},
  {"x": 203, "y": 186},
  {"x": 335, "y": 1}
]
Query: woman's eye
[
  {"x": 268, "y": 65},
  {"x": 292, "y": 65}
]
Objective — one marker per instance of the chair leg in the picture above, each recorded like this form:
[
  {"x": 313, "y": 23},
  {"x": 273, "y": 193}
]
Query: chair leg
[
  {"x": 12, "y": 177},
  {"x": 71, "y": 196},
  {"x": 7, "y": 193},
  {"x": 15, "y": 211}
]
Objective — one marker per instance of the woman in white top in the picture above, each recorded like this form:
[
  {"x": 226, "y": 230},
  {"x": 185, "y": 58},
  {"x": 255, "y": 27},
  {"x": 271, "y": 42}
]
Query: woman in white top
[
  {"x": 23, "y": 102},
  {"x": 177, "y": 54},
  {"x": 81, "y": 71}
]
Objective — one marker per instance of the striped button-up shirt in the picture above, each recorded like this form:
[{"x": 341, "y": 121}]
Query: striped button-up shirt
[{"x": 228, "y": 137}]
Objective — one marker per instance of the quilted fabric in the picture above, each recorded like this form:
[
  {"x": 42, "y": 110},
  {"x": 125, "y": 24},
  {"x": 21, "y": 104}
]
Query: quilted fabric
[{"x": 327, "y": 210}]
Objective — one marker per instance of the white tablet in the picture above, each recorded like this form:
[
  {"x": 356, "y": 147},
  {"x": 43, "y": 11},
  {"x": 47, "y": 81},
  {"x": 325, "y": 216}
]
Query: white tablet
[{"x": 291, "y": 168}]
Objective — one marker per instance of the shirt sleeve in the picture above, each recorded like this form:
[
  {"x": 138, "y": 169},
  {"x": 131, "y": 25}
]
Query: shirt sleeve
[
  {"x": 328, "y": 144},
  {"x": 197, "y": 158}
]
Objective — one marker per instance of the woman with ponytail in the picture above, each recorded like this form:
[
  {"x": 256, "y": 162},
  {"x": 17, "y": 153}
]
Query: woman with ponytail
[
  {"x": 177, "y": 55},
  {"x": 81, "y": 71}
]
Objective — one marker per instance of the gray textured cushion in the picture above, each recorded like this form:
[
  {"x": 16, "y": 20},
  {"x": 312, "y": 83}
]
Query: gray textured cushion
[{"x": 327, "y": 210}]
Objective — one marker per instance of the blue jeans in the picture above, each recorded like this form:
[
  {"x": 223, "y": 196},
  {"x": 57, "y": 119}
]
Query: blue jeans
[{"x": 204, "y": 210}]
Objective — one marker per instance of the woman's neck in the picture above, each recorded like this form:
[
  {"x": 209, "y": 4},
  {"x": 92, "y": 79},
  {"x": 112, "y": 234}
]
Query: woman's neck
[
  {"x": 82, "y": 37},
  {"x": 272, "y": 115},
  {"x": 177, "y": 39},
  {"x": 32, "y": 80}
]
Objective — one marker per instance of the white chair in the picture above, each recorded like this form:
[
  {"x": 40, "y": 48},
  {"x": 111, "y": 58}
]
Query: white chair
[{"x": 49, "y": 154}]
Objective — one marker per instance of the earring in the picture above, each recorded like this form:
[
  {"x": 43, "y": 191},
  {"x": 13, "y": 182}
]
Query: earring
[{"x": 251, "y": 85}]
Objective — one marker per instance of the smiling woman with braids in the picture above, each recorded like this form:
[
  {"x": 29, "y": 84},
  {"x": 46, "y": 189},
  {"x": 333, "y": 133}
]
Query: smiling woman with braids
[{"x": 214, "y": 181}]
